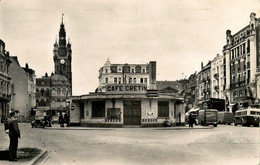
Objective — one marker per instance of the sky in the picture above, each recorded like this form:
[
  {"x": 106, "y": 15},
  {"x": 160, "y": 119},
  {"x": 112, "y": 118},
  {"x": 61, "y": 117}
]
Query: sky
[{"x": 178, "y": 34}]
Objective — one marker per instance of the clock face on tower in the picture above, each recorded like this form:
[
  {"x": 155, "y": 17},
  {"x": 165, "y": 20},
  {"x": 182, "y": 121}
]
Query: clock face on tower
[{"x": 62, "y": 61}]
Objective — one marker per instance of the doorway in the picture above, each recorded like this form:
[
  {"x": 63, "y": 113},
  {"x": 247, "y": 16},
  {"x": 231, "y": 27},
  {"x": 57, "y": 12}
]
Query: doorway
[{"x": 132, "y": 112}]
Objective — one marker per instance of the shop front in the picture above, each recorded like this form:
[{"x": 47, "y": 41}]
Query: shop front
[{"x": 126, "y": 109}]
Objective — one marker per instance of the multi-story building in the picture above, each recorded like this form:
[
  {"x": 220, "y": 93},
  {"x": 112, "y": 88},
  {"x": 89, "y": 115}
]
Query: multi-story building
[
  {"x": 190, "y": 94},
  {"x": 204, "y": 84},
  {"x": 4, "y": 81},
  {"x": 242, "y": 57},
  {"x": 128, "y": 95},
  {"x": 217, "y": 77},
  {"x": 53, "y": 91},
  {"x": 43, "y": 93},
  {"x": 123, "y": 74},
  {"x": 23, "y": 84}
]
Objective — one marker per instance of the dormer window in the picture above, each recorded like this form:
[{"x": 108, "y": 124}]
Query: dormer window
[
  {"x": 106, "y": 70},
  {"x": 132, "y": 70},
  {"x": 143, "y": 70}
]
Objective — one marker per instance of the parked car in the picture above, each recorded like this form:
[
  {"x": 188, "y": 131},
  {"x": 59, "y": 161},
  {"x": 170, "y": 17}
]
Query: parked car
[
  {"x": 211, "y": 117},
  {"x": 225, "y": 117},
  {"x": 40, "y": 119}
]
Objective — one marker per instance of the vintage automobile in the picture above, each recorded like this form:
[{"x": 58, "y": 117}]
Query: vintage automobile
[
  {"x": 211, "y": 117},
  {"x": 40, "y": 119},
  {"x": 225, "y": 117}
]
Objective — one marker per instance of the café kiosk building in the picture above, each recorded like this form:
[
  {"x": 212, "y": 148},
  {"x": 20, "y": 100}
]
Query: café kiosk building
[{"x": 127, "y": 96}]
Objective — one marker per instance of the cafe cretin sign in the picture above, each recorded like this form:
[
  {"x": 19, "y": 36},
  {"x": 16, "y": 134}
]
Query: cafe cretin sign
[{"x": 125, "y": 88}]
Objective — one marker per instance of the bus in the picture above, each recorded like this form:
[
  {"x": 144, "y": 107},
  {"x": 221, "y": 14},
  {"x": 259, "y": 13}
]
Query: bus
[
  {"x": 211, "y": 117},
  {"x": 247, "y": 117}
]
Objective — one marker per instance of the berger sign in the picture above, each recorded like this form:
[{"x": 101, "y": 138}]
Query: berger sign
[{"x": 126, "y": 88}]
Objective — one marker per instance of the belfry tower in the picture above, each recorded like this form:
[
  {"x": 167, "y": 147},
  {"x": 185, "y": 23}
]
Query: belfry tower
[{"x": 62, "y": 54}]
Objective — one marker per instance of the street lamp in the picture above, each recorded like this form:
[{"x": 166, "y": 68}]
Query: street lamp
[{"x": 205, "y": 106}]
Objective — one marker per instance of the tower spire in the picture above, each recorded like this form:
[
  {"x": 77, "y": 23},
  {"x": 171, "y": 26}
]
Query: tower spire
[{"x": 62, "y": 18}]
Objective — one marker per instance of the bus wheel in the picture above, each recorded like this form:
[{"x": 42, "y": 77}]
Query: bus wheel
[
  {"x": 215, "y": 125},
  {"x": 235, "y": 124},
  {"x": 256, "y": 125}
]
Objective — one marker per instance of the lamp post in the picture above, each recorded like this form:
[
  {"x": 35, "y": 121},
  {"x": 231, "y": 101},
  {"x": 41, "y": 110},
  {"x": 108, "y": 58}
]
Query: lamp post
[{"x": 205, "y": 106}]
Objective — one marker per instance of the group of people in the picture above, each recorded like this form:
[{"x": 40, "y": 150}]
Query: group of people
[
  {"x": 64, "y": 119},
  {"x": 12, "y": 128}
]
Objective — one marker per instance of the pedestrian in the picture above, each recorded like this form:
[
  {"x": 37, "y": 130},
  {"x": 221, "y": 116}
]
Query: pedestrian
[
  {"x": 190, "y": 121},
  {"x": 14, "y": 134},
  {"x": 49, "y": 120},
  {"x": 67, "y": 119},
  {"x": 61, "y": 120}
]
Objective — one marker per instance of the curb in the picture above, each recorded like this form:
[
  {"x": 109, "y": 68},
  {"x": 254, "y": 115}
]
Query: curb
[{"x": 36, "y": 159}]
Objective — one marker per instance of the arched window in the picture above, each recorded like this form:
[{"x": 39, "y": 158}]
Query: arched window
[
  {"x": 58, "y": 91},
  {"x": 47, "y": 102},
  {"x": 37, "y": 102},
  {"x": 143, "y": 70},
  {"x": 42, "y": 92},
  {"x": 47, "y": 93},
  {"x": 42, "y": 102},
  {"x": 63, "y": 91}
]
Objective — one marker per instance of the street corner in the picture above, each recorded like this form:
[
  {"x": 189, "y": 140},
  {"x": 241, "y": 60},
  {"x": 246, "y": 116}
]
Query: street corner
[{"x": 24, "y": 156}]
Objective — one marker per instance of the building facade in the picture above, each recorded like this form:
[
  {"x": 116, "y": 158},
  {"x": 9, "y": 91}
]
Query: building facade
[
  {"x": 127, "y": 95},
  {"x": 54, "y": 91},
  {"x": 123, "y": 74},
  {"x": 204, "y": 84},
  {"x": 242, "y": 56},
  {"x": 190, "y": 92},
  {"x": 217, "y": 77},
  {"x": 5, "y": 79},
  {"x": 23, "y": 90}
]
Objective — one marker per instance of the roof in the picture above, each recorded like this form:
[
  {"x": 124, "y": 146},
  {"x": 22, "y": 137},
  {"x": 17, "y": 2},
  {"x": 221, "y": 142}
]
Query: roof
[
  {"x": 126, "y": 96},
  {"x": 176, "y": 85},
  {"x": 59, "y": 77}
]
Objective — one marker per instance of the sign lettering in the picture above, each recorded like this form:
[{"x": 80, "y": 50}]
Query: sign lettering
[
  {"x": 126, "y": 88},
  {"x": 112, "y": 120},
  {"x": 149, "y": 120}
]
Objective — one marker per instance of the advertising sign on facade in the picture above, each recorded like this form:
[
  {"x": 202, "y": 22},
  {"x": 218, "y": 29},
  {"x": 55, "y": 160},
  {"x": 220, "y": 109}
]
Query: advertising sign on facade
[{"x": 125, "y": 88}]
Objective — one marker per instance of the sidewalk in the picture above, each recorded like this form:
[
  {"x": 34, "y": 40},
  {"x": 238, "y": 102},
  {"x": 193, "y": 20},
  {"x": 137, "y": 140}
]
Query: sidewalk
[
  {"x": 57, "y": 127},
  {"x": 27, "y": 156}
]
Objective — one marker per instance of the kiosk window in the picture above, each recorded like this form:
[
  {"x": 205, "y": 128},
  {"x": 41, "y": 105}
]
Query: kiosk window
[
  {"x": 98, "y": 109},
  {"x": 82, "y": 110},
  {"x": 163, "y": 109}
]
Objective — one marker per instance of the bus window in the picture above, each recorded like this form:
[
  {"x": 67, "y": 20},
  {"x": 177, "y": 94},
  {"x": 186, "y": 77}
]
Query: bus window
[
  {"x": 252, "y": 112},
  {"x": 243, "y": 113},
  {"x": 238, "y": 113}
]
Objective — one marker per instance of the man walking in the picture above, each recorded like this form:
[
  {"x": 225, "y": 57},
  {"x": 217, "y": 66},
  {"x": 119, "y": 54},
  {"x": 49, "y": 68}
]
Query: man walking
[{"x": 14, "y": 134}]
